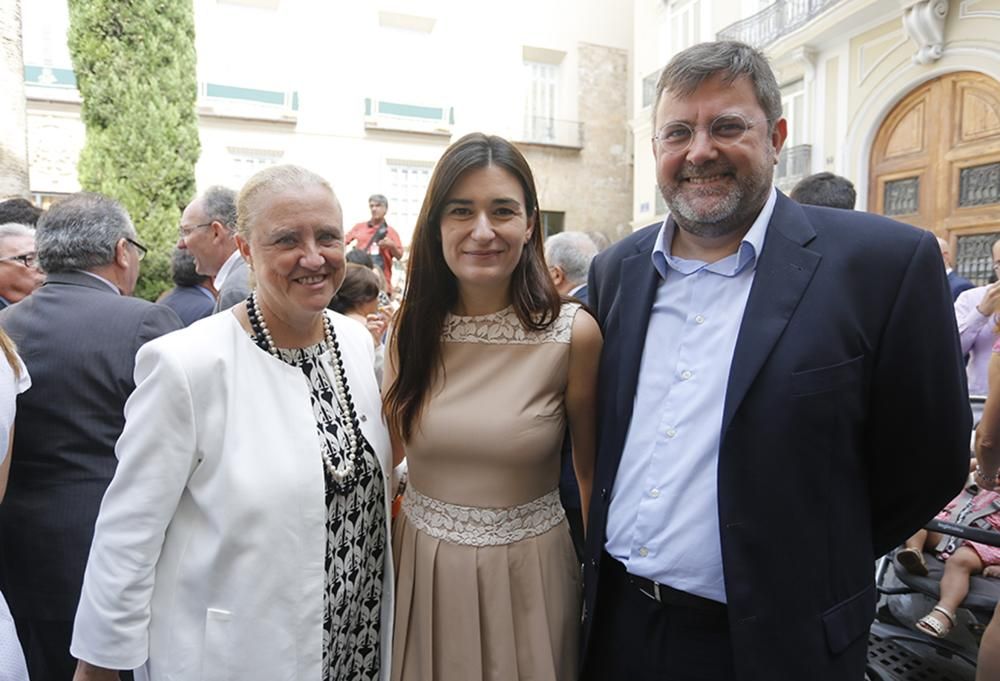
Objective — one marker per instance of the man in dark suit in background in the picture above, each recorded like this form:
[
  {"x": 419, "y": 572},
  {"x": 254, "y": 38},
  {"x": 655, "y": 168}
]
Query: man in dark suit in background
[
  {"x": 193, "y": 296},
  {"x": 781, "y": 401},
  {"x": 78, "y": 335},
  {"x": 825, "y": 189},
  {"x": 956, "y": 281},
  {"x": 568, "y": 255}
]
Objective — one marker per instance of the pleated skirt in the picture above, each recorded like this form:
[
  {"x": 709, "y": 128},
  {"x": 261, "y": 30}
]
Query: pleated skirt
[{"x": 491, "y": 613}]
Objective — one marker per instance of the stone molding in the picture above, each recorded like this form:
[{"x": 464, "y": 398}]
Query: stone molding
[{"x": 923, "y": 22}]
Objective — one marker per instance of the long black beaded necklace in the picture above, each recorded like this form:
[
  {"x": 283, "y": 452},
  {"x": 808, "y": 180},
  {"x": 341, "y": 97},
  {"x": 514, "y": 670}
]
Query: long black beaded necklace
[{"x": 343, "y": 475}]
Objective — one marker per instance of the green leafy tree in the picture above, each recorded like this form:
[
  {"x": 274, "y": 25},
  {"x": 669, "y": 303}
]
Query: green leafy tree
[{"x": 135, "y": 68}]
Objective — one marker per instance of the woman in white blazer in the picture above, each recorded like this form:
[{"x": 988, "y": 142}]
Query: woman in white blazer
[{"x": 244, "y": 535}]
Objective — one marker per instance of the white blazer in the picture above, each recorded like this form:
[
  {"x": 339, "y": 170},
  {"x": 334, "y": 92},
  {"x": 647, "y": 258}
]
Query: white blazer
[{"x": 208, "y": 555}]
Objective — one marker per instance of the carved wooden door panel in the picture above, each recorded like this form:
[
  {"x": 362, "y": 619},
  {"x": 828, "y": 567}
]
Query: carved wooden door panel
[{"x": 936, "y": 164}]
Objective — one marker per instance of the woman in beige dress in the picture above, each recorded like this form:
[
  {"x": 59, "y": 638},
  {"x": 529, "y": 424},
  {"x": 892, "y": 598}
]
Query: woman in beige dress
[{"x": 488, "y": 366}]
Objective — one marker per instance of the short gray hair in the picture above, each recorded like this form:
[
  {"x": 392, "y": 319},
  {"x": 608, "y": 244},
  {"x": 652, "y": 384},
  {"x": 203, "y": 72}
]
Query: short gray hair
[
  {"x": 571, "y": 252},
  {"x": 219, "y": 203},
  {"x": 379, "y": 199},
  {"x": 691, "y": 67},
  {"x": 81, "y": 232},
  {"x": 267, "y": 182},
  {"x": 12, "y": 229}
]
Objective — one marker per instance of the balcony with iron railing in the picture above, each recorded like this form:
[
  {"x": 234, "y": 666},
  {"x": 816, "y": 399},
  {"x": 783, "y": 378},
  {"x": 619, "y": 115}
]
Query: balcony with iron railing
[
  {"x": 794, "y": 163},
  {"x": 552, "y": 132},
  {"x": 774, "y": 21}
]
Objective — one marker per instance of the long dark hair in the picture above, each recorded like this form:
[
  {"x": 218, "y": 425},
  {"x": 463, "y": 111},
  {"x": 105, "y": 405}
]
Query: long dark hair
[{"x": 431, "y": 288}]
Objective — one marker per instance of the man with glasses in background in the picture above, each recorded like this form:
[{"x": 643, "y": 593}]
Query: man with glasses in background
[
  {"x": 208, "y": 232},
  {"x": 19, "y": 273},
  {"x": 78, "y": 336},
  {"x": 781, "y": 401}
]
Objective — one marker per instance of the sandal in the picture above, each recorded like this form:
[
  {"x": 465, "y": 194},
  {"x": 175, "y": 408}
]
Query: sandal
[
  {"x": 992, "y": 571},
  {"x": 912, "y": 561},
  {"x": 934, "y": 626}
]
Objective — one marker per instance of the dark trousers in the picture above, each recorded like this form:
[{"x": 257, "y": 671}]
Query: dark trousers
[
  {"x": 46, "y": 649},
  {"x": 683, "y": 638}
]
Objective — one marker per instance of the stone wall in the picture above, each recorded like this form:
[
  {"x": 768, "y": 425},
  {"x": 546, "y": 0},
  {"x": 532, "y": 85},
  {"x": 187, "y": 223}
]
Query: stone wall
[{"x": 592, "y": 185}]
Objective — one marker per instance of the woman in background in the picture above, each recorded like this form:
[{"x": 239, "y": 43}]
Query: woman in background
[
  {"x": 487, "y": 366},
  {"x": 358, "y": 299},
  {"x": 14, "y": 380}
]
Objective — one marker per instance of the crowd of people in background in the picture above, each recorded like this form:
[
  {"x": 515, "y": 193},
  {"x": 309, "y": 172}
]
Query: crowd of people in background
[{"x": 546, "y": 457}]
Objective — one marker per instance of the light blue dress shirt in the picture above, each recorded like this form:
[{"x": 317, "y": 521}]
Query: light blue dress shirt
[{"x": 663, "y": 521}]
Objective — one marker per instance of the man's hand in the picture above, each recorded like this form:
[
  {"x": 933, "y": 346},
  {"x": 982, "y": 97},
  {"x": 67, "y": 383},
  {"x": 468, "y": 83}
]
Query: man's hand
[{"x": 990, "y": 302}]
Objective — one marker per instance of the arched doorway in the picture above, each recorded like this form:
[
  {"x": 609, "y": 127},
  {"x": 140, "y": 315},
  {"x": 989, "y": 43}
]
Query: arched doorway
[{"x": 936, "y": 164}]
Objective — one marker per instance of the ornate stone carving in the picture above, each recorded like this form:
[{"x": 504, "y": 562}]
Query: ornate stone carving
[{"x": 923, "y": 21}]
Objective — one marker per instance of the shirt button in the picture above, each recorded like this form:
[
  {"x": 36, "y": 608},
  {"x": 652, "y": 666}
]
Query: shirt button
[
  {"x": 699, "y": 319},
  {"x": 686, "y": 375},
  {"x": 670, "y": 432},
  {"x": 643, "y": 552},
  {"x": 654, "y": 493}
]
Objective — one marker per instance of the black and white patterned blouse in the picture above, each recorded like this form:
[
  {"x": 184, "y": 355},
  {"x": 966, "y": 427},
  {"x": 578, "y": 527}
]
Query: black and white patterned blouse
[{"x": 356, "y": 542}]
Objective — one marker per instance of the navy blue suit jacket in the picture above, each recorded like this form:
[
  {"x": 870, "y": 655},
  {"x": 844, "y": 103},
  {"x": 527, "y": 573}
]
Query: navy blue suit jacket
[
  {"x": 189, "y": 302},
  {"x": 845, "y": 426},
  {"x": 958, "y": 283}
]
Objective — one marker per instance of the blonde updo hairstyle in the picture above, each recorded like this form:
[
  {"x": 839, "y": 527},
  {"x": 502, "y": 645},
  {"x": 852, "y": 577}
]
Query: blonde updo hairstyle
[{"x": 268, "y": 182}]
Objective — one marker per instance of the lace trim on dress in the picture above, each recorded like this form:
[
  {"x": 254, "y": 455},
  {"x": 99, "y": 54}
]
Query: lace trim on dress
[
  {"x": 504, "y": 328},
  {"x": 479, "y": 526}
]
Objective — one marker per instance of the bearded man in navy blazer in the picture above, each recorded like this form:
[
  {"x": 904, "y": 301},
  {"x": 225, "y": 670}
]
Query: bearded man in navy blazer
[{"x": 782, "y": 401}]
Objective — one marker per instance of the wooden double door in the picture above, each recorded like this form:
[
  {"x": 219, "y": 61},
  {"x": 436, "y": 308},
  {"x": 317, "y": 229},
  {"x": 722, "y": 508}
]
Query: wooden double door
[{"x": 936, "y": 164}]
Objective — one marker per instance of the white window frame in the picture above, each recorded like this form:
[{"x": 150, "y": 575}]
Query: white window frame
[
  {"x": 407, "y": 183},
  {"x": 244, "y": 162},
  {"x": 541, "y": 102}
]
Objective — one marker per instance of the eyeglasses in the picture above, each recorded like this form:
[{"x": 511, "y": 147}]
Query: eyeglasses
[
  {"x": 29, "y": 260},
  {"x": 726, "y": 130},
  {"x": 185, "y": 232},
  {"x": 139, "y": 248}
]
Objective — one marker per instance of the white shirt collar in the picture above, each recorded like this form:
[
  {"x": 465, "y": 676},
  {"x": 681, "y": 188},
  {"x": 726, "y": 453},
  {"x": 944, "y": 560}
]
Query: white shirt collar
[
  {"x": 106, "y": 282},
  {"x": 749, "y": 249}
]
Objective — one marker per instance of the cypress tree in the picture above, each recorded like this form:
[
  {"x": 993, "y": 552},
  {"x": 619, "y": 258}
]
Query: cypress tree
[{"x": 135, "y": 69}]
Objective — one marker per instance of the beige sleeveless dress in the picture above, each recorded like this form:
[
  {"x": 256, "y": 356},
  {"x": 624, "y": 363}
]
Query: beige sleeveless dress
[{"x": 487, "y": 583}]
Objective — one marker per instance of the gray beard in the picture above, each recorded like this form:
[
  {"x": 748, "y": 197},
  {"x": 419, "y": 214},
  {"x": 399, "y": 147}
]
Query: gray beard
[{"x": 732, "y": 212}]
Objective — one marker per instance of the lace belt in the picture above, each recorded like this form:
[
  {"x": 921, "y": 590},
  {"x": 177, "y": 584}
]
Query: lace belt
[{"x": 478, "y": 526}]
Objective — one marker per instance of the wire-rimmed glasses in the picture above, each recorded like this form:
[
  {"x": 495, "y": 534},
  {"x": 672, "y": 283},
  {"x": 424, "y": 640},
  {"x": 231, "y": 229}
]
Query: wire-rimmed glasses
[
  {"x": 185, "y": 232},
  {"x": 725, "y": 130}
]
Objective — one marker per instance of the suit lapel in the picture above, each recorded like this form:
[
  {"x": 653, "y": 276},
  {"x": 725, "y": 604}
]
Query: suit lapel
[
  {"x": 637, "y": 289},
  {"x": 784, "y": 270}
]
